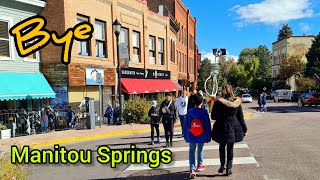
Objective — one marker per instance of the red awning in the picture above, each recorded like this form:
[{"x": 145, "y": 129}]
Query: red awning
[{"x": 140, "y": 86}]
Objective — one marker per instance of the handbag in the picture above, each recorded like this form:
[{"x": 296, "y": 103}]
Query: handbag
[{"x": 165, "y": 109}]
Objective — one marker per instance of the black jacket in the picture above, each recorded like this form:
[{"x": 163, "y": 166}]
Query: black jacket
[
  {"x": 229, "y": 126},
  {"x": 154, "y": 119},
  {"x": 191, "y": 103},
  {"x": 168, "y": 116}
]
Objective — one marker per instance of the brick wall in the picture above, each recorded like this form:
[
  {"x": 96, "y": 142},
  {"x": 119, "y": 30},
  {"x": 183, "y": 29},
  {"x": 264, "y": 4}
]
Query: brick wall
[{"x": 153, "y": 5}]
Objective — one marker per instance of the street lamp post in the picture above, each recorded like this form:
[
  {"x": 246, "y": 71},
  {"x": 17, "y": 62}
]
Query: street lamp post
[{"x": 117, "y": 28}]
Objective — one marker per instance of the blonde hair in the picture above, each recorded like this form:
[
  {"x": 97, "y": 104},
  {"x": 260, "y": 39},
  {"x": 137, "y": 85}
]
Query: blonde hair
[{"x": 224, "y": 91}]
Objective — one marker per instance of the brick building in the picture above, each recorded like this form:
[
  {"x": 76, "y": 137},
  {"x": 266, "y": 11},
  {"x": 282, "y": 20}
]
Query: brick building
[
  {"x": 149, "y": 38},
  {"x": 187, "y": 54}
]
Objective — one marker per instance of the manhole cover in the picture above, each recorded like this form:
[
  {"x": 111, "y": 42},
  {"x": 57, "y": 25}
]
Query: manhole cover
[{"x": 150, "y": 173}]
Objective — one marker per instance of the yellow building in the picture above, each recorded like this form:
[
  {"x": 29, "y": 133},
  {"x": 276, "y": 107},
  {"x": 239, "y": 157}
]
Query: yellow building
[{"x": 293, "y": 45}]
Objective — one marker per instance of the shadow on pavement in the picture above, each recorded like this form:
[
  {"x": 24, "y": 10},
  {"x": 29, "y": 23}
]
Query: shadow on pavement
[
  {"x": 147, "y": 176},
  {"x": 289, "y": 109}
]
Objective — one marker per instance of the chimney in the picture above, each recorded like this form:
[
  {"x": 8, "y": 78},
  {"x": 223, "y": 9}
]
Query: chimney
[{"x": 161, "y": 10}]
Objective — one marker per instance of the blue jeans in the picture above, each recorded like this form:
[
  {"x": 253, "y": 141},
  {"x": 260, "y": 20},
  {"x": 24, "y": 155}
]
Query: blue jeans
[
  {"x": 181, "y": 117},
  {"x": 192, "y": 157}
]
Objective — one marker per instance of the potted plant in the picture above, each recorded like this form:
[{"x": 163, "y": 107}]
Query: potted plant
[{"x": 5, "y": 133}]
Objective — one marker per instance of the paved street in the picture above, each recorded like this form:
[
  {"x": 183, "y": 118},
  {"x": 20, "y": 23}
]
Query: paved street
[{"x": 281, "y": 144}]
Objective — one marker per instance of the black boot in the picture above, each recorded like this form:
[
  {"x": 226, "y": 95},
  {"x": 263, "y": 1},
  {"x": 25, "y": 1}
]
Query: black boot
[
  {"x": 229, "y": 166},
  {"x": 228, "y": 172},
  {"x": 221, "y": 169}
]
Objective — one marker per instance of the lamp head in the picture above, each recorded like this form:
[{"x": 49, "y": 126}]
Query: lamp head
[{"x": 116, "y": 27}]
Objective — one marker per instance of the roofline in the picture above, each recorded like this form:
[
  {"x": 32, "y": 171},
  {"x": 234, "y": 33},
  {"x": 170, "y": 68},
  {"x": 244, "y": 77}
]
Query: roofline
[
  {"x": 294, "y": 37},
  {"x": 38, "y": 3}
]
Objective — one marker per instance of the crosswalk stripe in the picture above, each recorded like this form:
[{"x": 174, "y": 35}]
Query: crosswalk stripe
[
  {"x": 206, "y": 147},
  {"x": 185, "y": 163}
]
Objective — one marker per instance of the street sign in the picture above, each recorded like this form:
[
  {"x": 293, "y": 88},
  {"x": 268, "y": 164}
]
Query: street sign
[{"x": 264, "y": 88}]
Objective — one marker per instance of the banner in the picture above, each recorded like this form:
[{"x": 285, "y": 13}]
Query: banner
[
  {"x": 94, "y": 76},
  {"x": 124, "y": 55}
]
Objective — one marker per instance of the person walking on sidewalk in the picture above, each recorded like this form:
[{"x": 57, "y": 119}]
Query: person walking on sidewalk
[
  {"x": 154, "y": 121},
  {"x": 264, "y": 102},
  {"x": 197, "y": 131},
  {"x": 229, "y": 126},
  {"x": 181, "y": 105},
  {"x": 191, "y": 100},
  {"x": 71, "y": 117},
  {"x": 260, "y": 102},
  {"x": 109, "y": 114},
  {"x": 168, "y": 112}
]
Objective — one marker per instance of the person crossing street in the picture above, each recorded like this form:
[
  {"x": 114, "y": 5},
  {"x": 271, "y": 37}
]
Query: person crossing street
[
  {"x": 168, "y": 114},
  {"x": 182, "y": 105}
]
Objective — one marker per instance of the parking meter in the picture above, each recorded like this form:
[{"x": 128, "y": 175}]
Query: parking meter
[{"x": 91, "y": 119}]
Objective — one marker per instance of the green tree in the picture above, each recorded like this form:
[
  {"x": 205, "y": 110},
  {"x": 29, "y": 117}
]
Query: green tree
[
  {"x": 313, "y": 57},
  {"x": 284, "y": 32},
  {"x": 306, "y": 84},
  {"x": 246, "y": 54},
  {"x": 204, "y": 72},
  {"x": 291, "y": 66},
  {"x": 265, "y": 62}
]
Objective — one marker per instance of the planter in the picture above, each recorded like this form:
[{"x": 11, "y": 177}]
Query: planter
[{"x": 5, "y": 134}]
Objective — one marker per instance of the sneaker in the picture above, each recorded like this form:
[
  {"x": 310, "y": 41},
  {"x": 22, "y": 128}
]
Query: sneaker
[
  {"x": 158, "y": 142},
  {"x": 152, "y": 143},
  {"x": 192, "y": 174},
  {"x": 201, "y": 168}
]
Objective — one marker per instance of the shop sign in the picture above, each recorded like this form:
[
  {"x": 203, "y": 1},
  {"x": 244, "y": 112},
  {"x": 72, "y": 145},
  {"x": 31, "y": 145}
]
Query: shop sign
[
  {"x": 138, "y": 73},
  {"x": 94, "y": 76}
]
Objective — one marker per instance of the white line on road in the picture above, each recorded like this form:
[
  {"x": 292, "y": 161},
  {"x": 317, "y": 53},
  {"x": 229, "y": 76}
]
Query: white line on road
[
  {"x": 185, "y": 163},
  {"x": 265, "y": 177},
  {"x": 206, "y": 147}
]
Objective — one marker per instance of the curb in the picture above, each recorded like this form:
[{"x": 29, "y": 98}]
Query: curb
[{"x": 95, "y": 137}]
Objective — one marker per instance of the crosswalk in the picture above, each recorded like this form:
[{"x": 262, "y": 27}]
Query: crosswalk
[
  {"x": 293, "y": 111},
  {"x": 181, "y": 158}
]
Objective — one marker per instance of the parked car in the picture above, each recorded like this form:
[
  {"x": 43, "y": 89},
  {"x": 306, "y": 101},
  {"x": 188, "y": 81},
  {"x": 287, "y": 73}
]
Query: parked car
[
  {"x": 246, "y": 98},
  {"x": 310, "y": 99},
  {"x": 295, "y": 97},
  {"x": 282, "y": 95}
]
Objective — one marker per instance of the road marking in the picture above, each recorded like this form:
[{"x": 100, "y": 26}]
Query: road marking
[
  {"x": 265, "y": 177},
  {"x": 212, "y": 147},
  {"x": 185, "y": 163}
]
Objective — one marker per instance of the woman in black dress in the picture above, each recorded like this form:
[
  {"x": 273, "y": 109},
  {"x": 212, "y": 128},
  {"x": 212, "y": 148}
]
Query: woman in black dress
[{"x": 229, "y": 126}]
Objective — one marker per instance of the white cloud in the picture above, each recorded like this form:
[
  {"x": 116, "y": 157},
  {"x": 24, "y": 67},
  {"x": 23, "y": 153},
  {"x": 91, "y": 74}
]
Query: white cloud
[
  {"x": 210, "y": 56},
  {"x": 305, "y": 27},
  {"x": 273, "y": 12}
]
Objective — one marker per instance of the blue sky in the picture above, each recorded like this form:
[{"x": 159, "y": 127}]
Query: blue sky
[{"x": 235, "y": 24}]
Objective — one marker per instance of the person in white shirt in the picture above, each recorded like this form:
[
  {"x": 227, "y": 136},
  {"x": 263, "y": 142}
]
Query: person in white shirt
[{"x": 182, "y": 107}]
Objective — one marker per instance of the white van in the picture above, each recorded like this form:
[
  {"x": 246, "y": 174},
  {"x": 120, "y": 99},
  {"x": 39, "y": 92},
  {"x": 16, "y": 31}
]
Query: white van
[{"x": 283, "y": 95}]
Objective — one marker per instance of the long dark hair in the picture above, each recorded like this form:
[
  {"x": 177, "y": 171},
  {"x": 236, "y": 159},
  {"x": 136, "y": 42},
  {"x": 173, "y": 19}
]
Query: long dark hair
[{"x": 224, "y": 92}]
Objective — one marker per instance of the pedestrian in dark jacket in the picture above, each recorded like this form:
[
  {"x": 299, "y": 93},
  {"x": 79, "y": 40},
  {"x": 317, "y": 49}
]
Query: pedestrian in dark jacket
[
  {"x": 229, "y": 126},
  {"x": 154, "y": 121},
  {"x": 260, "y": 102},
  {"x": 197, "y": 130},
  {"x": 191, "y": 100},
  {"x": 168, "y": 114}
]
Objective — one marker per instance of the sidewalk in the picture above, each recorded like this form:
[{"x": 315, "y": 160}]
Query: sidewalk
[{"x": 72, "y": 136}]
